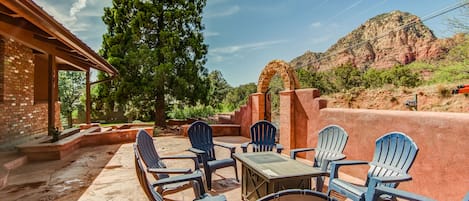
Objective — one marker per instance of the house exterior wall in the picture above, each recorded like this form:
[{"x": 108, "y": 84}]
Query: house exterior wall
[{"x": 21, "y": 117}]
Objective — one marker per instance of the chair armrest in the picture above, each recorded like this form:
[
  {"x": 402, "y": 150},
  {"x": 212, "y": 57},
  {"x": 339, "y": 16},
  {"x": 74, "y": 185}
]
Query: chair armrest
[
  {"x": 336, "y": 164},
  {"x": 231, "y": 148},
  {"x": 244, "y": 146},
  {"x": 393, "y": 179},
  {"x": 196, "y": 151},
  {"x": 197, "y": 176},
  {"x": 194, "y": 158},
  {"x": 279, "y": 148},
  {"x": 400, "y": 193},
  {"x": 375, "y": 181},
  {"x": 326, "y": 161},
  {"x": 170, "y": 170},
  {"x": 293, "y": 152}
]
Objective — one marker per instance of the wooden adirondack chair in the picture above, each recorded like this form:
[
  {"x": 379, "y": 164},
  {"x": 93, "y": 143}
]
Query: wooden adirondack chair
[
  {"x": 296, "y": 195},
  {"x": 331, "y": 143},
  {"x": 394, "y": 154},
  {"x": 153, "y": 195},
  {"x": 147, "y": 152},
  {"x": 262, "y": 138},
  {"x": 200, "y": 135}
]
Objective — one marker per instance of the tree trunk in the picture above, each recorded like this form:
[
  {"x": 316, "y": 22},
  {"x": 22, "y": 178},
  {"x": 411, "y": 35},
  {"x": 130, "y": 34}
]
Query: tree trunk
[
  {"x": 69, "y": 120},
  {"x": 160, "y": 115}
]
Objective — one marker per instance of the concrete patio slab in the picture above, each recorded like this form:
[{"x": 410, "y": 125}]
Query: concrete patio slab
[{"x": 108, "y": 173}]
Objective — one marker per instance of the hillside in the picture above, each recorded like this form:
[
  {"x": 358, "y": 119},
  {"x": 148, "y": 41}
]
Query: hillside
[
  {"x": 435, "y": 98},
  {"x": 381, "y": 42},
  {"x": 390, "y": 39}
]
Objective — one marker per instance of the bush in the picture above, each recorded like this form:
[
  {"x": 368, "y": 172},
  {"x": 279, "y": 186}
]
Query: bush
[
  {"x": 443, "y": 91},
  {"x": 197, "y": 111}
]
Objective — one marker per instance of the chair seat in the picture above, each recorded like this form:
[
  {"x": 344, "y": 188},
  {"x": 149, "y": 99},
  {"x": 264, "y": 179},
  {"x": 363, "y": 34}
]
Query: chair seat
[
  {"x": 350, "y": 189},
  {"x": 175, "y": 187},
  {"x": 217, "y": 164}
]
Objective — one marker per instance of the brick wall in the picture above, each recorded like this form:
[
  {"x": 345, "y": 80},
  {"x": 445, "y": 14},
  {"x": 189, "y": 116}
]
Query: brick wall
[
  {"x": 21, "y": 117},
  {"x": 2, "y": 67}
]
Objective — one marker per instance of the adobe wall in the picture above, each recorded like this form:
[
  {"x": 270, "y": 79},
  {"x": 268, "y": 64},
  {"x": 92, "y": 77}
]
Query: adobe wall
[
  {"x": 441, "y": 169},
  {"x": 21, "y": 118}
]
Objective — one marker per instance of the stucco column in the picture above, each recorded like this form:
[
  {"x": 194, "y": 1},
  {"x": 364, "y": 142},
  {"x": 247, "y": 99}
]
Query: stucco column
[
  {"x": 258, "y": 107},
  {"x": 287, "y": 119}
]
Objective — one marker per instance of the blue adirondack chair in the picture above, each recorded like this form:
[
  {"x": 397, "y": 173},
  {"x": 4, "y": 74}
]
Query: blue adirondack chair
[
  {"x": 147, "y": 151},
  {"x": 331, "y": 143},
  {"x": 262, "y": 138},
  {"x": 394, "y": 154},
  {"x": 149, "y": 188},
  {"x": 200, "y": 135},
  {"x": 380, "y": 190}
]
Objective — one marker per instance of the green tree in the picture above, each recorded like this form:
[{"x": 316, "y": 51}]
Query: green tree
[
  {"x": 372, "y": 78},
  {"x": 238, "y": 96},
  {"x": 71, "y": 87},
  {"x": 158, "y": 48},
  {"x": 346, "y": 76},
  {"x": 401, "y": 76},
  {"x": 219, "y": 87},
  {"x": 316, "y": 79}
]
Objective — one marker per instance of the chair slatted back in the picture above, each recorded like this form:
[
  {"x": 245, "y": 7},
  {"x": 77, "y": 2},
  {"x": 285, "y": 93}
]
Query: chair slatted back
[
  {"x": 331, "y": 143},
  {"x": 263, "y": 136},
  {"x": 146, "y": 149},
  {"x": 143, "y": 180},
  {"x": 200, "y": 135},
  {"x": 394, "y": 154}
]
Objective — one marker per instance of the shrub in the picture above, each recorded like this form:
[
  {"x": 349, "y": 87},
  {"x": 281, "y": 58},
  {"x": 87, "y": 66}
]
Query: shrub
[
  {"x": 443, "y": 91},
  {"x": 197, "y": 111}
]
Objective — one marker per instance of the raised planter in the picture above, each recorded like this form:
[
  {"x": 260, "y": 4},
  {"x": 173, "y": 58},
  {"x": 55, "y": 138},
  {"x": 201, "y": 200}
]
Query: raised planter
[
  {"x": 218, "y": 129},
  {"x": 43, "y": 150}
]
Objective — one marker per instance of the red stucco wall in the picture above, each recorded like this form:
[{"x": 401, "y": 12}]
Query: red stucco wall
[{"x": 441, "y": 169}]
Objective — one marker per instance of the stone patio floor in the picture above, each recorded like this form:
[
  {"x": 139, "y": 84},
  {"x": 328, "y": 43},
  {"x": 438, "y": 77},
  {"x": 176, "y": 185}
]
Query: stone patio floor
[{"x": 108, "y": 173}]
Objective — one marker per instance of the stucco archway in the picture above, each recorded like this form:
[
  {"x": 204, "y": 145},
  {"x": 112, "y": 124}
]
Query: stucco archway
[{"x": 287, "y": 73}]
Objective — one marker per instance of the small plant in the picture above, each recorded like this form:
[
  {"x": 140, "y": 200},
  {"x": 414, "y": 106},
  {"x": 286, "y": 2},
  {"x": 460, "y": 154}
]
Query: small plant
[
  {"x": 156, "y": 131},
  {"x": 55, "y": 134},
  {"x": 443, "y": 91}
]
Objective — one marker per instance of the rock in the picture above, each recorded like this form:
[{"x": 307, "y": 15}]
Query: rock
[{"x": 381, "y": 42}]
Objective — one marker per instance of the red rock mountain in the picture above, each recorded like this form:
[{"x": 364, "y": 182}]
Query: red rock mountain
[{"x": 381, "y": 42}]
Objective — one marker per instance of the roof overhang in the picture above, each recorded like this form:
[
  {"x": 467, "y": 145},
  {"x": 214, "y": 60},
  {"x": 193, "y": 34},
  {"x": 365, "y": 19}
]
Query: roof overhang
[{"x": 25, "y": 21}]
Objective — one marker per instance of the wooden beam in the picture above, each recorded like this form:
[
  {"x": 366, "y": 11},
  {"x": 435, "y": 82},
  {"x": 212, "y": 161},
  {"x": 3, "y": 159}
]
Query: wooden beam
[
  {"x": 21, "y": 22},
  {"x": 88, "y": 98},
  {"x": 52, "y": 93},
  {"x": 29, "y": 38}
]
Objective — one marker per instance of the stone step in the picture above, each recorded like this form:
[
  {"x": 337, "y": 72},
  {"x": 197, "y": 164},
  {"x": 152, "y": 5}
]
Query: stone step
[{"x": 8, "y": 162}]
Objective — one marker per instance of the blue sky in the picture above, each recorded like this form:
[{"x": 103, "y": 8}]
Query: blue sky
[{"x": 244, "y": 35}]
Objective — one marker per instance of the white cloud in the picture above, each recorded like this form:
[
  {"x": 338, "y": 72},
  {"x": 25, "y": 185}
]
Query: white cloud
[
  {"x": 250, "y": 46},
  {"x": 76, "y": 7},
  {"x": 316, "y": 24},
  {"x": 223, "y": 13},
  {"x": 210, "y": 34}
]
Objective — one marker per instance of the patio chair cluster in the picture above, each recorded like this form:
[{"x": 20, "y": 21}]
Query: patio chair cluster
[{"x": 394, "y": 154}]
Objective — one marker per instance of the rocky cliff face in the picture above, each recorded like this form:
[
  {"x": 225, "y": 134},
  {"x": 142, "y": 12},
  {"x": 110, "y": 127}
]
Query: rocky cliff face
[{"x": 381, "y": 42}]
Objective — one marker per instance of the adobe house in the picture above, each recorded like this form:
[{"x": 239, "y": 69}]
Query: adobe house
[{"x": 33, "y": 48}]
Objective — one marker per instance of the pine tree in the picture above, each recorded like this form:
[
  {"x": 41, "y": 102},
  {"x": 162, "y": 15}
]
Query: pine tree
[{"x": 158, "y": 48}]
